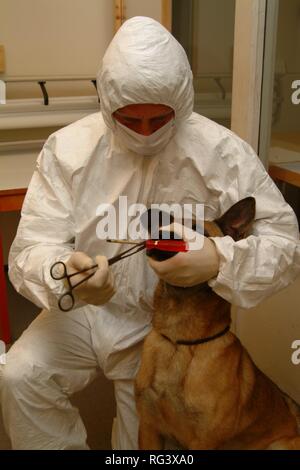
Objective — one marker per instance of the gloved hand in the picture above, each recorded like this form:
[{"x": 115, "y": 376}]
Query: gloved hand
[
  {"x": 187, "y": 269},
  {"x": 99, "y": 288}
]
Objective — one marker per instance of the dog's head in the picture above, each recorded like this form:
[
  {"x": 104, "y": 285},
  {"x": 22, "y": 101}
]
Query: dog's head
[
  {"x": 172, "y": 302},
  {"x": 236, "y": 222}
]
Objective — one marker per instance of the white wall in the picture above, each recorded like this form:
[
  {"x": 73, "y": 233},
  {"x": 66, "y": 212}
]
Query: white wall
[
  {"x": 150, "y": 8},
  {"x": 49, "y": 38},
  {"x": 54, "y": 38},
  {"x": 268, "y": 332}
]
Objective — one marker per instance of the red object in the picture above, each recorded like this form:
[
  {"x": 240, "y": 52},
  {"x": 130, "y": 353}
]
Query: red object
[
  {"x": 10, "y": 200},
  {"x": 4, "y": 319},
  {"x": 167, "y": 245}
]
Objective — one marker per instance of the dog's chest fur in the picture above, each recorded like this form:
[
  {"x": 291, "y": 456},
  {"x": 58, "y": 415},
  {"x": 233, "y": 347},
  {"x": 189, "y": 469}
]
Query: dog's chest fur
[
  {"x": 165, "y": 391},
  {"x": 209, "y": 393}
]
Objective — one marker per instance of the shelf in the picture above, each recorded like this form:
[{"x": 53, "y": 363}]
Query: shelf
[{"x": 287, "y": 172}]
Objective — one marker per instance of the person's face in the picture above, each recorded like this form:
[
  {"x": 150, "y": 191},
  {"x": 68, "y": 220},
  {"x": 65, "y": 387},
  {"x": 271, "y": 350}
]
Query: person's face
[{"x": 144, "y": 118}]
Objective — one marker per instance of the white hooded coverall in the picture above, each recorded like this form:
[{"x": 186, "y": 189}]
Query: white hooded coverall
[{"x": 84, "y": 165}]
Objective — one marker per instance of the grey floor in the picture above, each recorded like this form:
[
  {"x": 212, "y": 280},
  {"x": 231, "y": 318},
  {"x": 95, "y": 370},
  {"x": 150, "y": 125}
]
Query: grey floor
[{"x": 95, "y": 403}]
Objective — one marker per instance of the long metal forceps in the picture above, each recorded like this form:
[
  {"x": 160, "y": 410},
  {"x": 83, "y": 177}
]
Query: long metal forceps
[{"x": 58, "y": 271}]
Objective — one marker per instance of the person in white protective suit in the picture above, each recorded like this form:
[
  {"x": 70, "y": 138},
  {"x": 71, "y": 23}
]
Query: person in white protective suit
[{"x": 183, "y": 158}]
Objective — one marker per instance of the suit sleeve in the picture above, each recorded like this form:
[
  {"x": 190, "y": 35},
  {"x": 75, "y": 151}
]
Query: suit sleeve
[
  {"x": 45, "y": 233},
  {"x": 268, "y": 260}
]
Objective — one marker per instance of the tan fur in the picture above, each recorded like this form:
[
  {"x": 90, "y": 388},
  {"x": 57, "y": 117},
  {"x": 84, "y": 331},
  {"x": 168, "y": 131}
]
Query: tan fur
[
  {"x": 206, "y": 396},
  {"x": 212, "y": 228}
]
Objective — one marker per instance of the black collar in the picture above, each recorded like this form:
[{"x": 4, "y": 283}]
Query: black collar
[{"x": 201, "y": 340}]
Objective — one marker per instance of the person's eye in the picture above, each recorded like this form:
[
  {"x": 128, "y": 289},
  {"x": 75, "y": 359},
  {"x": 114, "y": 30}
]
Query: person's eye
[
  {"x": 159, "y": 119},
  {"x": 129, "y": 120},
  {"x": 126, "y": 120}
]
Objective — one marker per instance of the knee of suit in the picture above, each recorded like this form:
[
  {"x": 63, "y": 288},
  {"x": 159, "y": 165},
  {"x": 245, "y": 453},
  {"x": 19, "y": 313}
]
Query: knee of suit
[
  {"x": 23, "y": 370},
  {"x": 15, "y": 373}
]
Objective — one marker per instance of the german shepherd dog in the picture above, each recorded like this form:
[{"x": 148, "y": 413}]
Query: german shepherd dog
[{"x": 197, "y": 385}]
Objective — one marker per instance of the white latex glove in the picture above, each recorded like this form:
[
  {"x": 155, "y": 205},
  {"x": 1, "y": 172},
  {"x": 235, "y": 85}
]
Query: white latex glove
[
  {"x": 187, "y": 269},
  {"x": 99, "y": 288}
]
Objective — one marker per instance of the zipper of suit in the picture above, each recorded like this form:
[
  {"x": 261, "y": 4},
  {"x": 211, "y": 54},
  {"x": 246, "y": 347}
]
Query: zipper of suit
[{"x": 141, "y": 194}]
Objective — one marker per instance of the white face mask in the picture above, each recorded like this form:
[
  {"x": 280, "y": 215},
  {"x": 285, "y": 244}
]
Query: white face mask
[{"x": 145, "y": 144}]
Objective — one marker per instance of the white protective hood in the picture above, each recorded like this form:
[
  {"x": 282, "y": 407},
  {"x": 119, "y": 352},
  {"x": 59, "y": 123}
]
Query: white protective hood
[{"x": 145, "y": 64}]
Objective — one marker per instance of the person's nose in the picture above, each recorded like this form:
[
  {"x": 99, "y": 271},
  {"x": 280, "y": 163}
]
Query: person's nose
[{"x": 145, "y": 128}]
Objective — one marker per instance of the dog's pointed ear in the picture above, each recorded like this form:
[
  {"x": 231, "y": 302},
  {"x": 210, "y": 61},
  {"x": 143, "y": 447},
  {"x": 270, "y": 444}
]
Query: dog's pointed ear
[{"x": 237, "y": 221}]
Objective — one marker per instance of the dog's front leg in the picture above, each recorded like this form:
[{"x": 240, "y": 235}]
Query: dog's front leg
[{"x": 149, "y": 437}]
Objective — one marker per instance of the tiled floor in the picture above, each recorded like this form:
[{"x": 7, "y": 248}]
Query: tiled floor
[{"x": 96, "y": 402}]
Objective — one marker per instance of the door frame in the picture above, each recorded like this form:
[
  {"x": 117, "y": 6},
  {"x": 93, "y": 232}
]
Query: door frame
[{"x": 249, "y": 40}]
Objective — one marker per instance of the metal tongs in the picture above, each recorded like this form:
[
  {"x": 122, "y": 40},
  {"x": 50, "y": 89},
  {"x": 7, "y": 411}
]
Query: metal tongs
[{"x": 58, "y": 270}]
